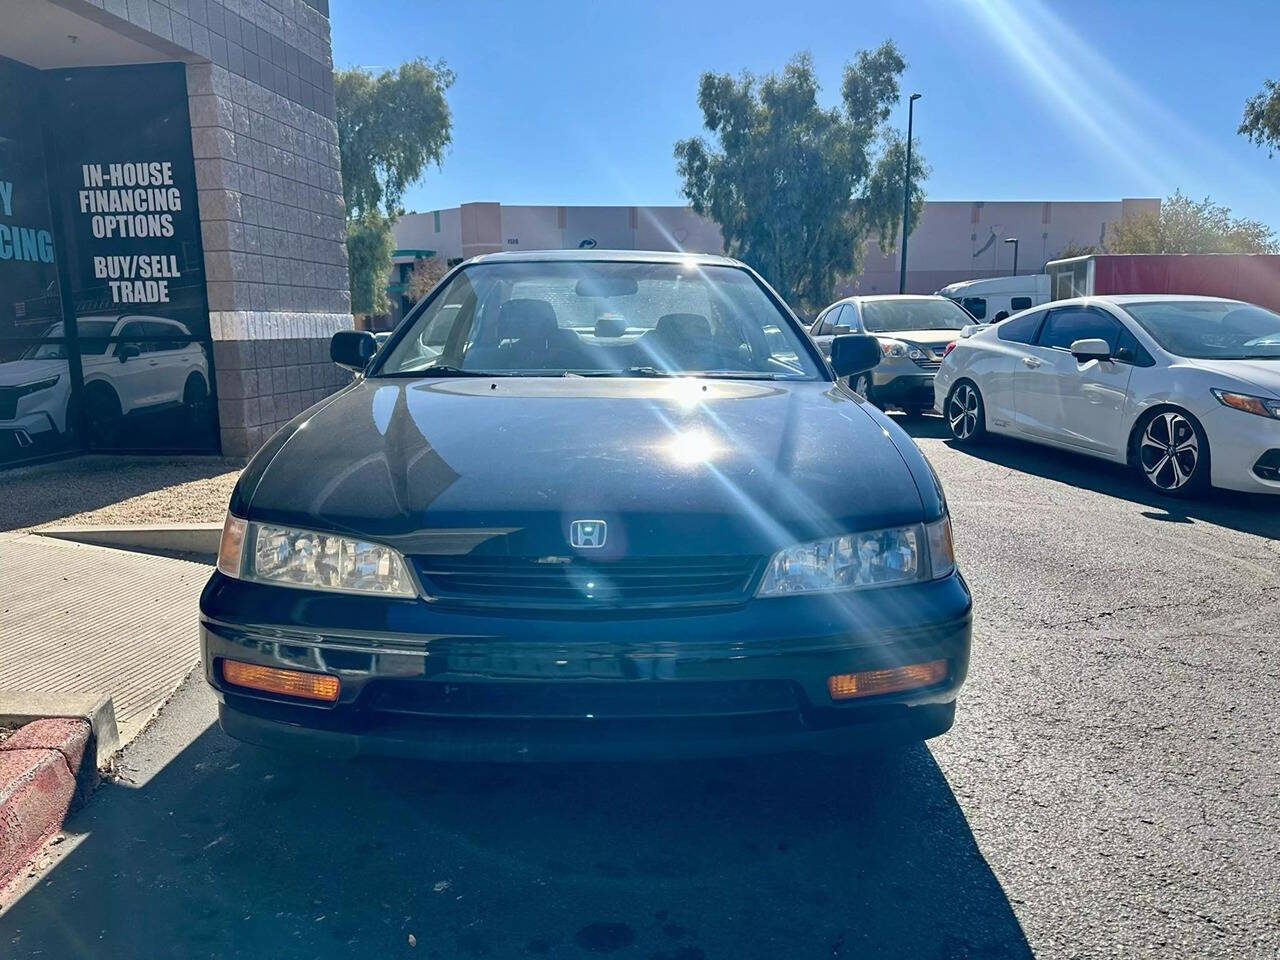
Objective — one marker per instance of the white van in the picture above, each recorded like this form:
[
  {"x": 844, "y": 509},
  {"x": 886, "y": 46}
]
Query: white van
[{"x": 997, "y": 297}]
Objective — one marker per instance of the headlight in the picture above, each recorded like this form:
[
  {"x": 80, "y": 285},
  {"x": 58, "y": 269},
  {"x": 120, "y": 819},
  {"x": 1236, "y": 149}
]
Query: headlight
[
  {"x": 893, "y": 348},
  {"x": 310, "y": 560},
  {"x": 1249, "y": 404},
  {"x": 35, "y": 387},
  {"x": 878, "y": 558}
]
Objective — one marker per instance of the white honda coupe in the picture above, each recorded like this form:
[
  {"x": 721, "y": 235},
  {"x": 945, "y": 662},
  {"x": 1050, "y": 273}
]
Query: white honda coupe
[{"x": 1185, "y": 389}]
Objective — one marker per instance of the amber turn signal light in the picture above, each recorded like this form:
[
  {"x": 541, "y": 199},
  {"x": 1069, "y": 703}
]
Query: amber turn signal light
[
  {"x": 231, "y": 547},
  {"x": 870, "y": 683},
  {"x": 291, "y": 683}
]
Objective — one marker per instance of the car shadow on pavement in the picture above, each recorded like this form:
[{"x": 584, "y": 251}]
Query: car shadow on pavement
[
  {"x": 233, "y": 851},
  {"x": 927, "y": 426},
  {"x": 1248, "y": 513}
]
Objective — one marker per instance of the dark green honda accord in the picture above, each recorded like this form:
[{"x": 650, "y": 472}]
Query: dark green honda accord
[{"x": 589, "y": 505}]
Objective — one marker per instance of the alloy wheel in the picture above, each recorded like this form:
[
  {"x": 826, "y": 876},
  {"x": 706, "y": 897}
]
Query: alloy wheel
[
  {"x": 962, "y": 412},
  {"x": 862, "y": 386},
  {"x": 1169, "y": 451}
]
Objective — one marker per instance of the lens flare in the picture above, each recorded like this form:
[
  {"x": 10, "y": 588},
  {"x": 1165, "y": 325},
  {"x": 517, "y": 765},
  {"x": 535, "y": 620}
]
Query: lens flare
[
  {"x": 692, "y": 447},
  {"x": 1092, "y": 97}
]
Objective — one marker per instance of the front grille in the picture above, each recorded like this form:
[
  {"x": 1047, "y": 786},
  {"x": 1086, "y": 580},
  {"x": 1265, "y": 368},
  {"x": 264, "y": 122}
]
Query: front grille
[
  {"x": 583, "y": 584},
  {"x": 9, "y": 402},
  {"x": 597, "y": 699},
  {"x": 927, "y": 364}
]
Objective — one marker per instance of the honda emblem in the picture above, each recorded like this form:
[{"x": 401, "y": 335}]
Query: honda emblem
[{"x": 587, "y": 534}]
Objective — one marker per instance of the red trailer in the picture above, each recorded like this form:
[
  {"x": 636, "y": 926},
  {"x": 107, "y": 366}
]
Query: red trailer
[{"x": 1252, "y": 277}]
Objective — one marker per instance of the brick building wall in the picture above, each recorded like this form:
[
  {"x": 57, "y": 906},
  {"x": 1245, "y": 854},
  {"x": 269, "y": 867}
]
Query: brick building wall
[{"x": 260, "y": 87}]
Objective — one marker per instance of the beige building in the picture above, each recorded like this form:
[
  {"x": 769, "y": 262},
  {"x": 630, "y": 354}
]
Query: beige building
[{"x": 955, "y": 240}]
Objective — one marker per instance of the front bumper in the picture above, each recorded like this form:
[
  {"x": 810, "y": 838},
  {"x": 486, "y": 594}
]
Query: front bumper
[
  {"x": 1238, "y": 443},
  {"x": 33, "y": 424},
  {"x": 445, "y": 685},
  {"x": 914, "y": 389}
]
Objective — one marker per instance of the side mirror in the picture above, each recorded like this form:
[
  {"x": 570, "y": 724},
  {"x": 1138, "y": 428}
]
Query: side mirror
[
  {"x": 841, "y": 330},
  {"x": 127, "y": 351},
  {"x": 1090, "y": 349},
  {"x": 854, "y": 353},
  {"x": 352, "y": 349}
]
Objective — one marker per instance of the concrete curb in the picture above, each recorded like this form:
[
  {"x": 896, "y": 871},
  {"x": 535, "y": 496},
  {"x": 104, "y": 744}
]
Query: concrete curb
[
  {"x": 19, "y": 707},
  {"x": 41, "y": 781},
  {"x": 198, "y": 538}
]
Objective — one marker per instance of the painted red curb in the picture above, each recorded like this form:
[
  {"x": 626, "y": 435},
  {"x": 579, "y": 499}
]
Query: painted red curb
[{"x": 39, "y": 766}]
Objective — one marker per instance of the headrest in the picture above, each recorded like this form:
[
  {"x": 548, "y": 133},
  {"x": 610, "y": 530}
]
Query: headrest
[
  {"x": 683, "y": 326},
  {"x": 524, "y": 318},
  {"x": 611, "y": 325}
]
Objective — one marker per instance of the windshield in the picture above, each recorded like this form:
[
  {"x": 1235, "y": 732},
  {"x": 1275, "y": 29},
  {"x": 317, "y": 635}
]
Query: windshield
[
  {"x": 1210, "y": 329},
  {"x": 884, "y": 316},
  {"x": 57, "y": 351},
  {"x": 602, "y": 319}
]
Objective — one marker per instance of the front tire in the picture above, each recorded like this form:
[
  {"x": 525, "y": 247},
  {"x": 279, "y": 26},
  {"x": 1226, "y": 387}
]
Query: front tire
[
  {"x": 195, "y": 401},
  {"x": 965, "y": 415},
  {"x": 103, "y": 416},
  {"x": 861, "y": 385},
  {"x": 1171, "y": 453}
]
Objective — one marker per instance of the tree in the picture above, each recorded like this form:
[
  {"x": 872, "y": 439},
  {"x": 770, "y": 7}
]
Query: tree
[
  {"x": 1073, "y": 249},
  {"x": 796, "y": 188},
  {"x": 881, "y": 201},
  {"x": 1183, "y": 225},
  {"x": 426, "y": 273},
  {"x": 390, "y": 126},
  {"x": 1261, "y": 123},
  {"x": 369, "y": 248}
]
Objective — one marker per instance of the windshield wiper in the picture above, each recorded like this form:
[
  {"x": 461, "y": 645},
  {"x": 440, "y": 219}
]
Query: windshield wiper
[
  {"x": 1243, "y": 356},
  {"x": 627, "y": 372},
  {"x": 744, "y": 375},
  {"x": 444, "y": 370}
]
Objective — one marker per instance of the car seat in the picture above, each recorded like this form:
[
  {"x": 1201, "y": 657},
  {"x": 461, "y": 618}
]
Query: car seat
[
  {"x": 526, "y": 337},
  {"x": 679, "y": 341}
]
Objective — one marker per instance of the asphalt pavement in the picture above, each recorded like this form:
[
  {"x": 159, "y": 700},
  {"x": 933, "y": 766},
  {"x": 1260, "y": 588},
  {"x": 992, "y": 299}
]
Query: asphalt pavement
[{"x": 1111, "y": 788}]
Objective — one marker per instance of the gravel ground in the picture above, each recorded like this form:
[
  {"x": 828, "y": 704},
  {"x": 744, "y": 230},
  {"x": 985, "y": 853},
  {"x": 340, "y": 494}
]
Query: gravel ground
[
  {"x": 1111, "y": 788},
  {"x": 118, "y": 490}
]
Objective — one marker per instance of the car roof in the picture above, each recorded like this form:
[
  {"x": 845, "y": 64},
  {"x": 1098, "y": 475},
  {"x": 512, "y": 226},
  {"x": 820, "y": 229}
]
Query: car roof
[
  {"x": 875, "y": 297},
  {"x": 1123, "y": 298},
  {"x": 605, "y": 256},
  {"x": 1120, "y": 299},
  {"x": 865, "y": 297},
  {"x": 113, "y": 317}
]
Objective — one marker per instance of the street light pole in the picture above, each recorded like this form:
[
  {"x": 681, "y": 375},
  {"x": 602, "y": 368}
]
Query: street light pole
[
  {"x": 906, "y": 194},
  {"x": 1014, "y": 241}
]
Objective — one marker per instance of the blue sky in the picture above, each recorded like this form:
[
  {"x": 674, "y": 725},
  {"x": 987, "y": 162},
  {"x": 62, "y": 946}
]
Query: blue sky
[{"x": 580, "y": 103}]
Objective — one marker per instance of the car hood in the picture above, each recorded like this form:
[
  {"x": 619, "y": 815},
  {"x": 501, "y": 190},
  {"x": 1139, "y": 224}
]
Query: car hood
[
  {"x": 926, "y": 337},
  {"x": 18, "y": 373},
  {"x": 1263, "y": 374},
  {"x": 504, "y": 465}
]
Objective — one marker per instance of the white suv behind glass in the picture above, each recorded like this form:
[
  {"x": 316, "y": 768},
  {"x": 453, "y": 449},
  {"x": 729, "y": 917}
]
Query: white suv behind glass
[{"x": 154, "y": 364}]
